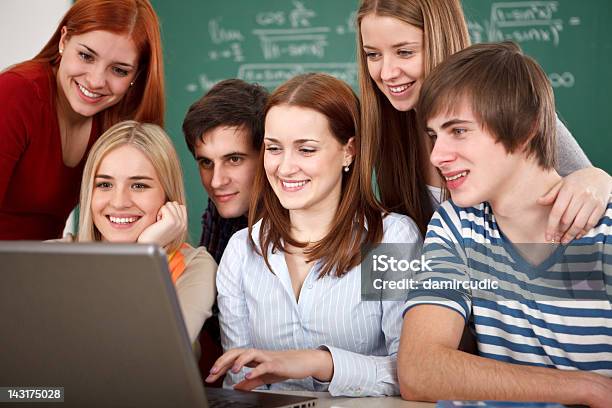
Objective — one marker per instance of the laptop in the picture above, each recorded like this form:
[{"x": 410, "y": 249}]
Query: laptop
[{"x": 102, "y": 322}]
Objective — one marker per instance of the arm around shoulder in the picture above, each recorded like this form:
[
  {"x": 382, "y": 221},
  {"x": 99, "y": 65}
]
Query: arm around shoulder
[{"x": 570, "y": 156}]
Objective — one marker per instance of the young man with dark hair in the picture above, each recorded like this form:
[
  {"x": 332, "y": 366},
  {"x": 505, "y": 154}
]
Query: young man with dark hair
[
  {"x": 543, "y": 319},
  {"x": 224, "y": 131}
]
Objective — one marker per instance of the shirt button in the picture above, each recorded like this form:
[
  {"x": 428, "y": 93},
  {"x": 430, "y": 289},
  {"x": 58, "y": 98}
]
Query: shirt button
[{"x": 309, "y": 286}]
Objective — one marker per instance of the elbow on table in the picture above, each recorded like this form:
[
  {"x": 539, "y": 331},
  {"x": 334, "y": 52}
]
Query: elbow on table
[
  {"x": 412, "y": 392},
  {"x": 412, "y": 383}
]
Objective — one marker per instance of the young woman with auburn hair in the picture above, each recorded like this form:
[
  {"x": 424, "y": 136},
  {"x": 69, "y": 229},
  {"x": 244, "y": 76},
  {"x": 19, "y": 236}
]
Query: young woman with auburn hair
[
  {"x": 289, "y": 286},
  {"x": 399, "y": 43},
  {"x": 103, "y": 64}
]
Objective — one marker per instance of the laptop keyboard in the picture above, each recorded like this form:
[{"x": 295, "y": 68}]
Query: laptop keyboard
[{"x": 225, "y": 403}]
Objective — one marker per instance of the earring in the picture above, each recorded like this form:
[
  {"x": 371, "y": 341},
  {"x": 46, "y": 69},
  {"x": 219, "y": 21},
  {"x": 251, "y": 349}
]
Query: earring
[
  {"x": 346, "y": 168},
  {"x": 61, "y": 50},
  {"x": 132, "y": 83}
]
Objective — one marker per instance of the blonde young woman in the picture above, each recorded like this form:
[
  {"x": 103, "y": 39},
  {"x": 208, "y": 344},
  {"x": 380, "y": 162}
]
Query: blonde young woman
[
  {"x": 132, "y": 191},
  {"x": 399, "y": 43}
]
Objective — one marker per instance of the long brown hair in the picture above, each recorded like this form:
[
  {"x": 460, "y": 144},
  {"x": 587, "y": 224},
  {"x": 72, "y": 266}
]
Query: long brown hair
[
  {"x": 144, "y": 101},
  {"x": 393, "y": 148},
  {"x": 356, "y": 222}
]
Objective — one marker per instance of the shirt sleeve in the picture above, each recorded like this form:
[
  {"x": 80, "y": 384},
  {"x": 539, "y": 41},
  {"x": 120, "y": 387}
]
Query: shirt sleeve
[
  {"x": 570, "y": 157},
  {"x": 233, "y": 311},
  {"x": 442, "y": 282},
  {"x": 358, "y": 375},
  {"x": 16, "y": 98},
  {"x": 196, "y": 292}
]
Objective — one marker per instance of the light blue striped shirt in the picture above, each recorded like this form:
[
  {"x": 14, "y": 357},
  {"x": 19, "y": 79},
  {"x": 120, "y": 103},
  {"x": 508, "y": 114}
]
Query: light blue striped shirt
[
  {"x": 258, "y": 309},
  {"x": 534, "y": 317}
]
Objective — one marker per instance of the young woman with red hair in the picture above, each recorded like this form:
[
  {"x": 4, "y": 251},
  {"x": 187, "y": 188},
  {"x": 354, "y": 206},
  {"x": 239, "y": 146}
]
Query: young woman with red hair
[
  {"x": 102, "y": 65},
  {"x": 292, "y": 296}
]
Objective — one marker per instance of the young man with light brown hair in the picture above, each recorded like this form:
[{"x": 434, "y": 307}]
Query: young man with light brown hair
[{"x": 544, "y": 323}]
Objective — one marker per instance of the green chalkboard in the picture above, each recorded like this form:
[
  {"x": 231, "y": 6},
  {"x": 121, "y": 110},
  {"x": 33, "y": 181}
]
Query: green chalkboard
[{"x": 268, "y": 41}]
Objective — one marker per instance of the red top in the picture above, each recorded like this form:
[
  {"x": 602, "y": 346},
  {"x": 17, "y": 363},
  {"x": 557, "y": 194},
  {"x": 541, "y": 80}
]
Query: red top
[{"x": 37, "y": 191}]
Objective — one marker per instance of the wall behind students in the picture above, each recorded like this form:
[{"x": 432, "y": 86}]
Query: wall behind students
[
  {"x": 269, "y": 41},
  {"x": 27, "y": 25}
]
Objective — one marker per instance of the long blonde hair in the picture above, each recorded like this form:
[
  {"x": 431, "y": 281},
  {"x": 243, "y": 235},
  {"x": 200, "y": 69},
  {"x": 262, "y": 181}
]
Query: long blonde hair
[
  {"x": 155, "y": 144},
  {"x": 392, "y": 146}
]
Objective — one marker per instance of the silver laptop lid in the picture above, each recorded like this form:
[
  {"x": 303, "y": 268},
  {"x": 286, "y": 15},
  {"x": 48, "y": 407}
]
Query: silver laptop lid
[{"x": 100, "y": 320}]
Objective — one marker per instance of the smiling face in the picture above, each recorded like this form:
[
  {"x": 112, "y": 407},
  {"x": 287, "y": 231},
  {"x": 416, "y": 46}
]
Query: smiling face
[
  {"x": 95, "y": 70},
  {"x": 394, "y": 52},
  {"x": 476, "y": 167},
  {"x": 227, "y": 163},
  {"x": 303, "y": 160},
  {"x": 127, "y": 195}
]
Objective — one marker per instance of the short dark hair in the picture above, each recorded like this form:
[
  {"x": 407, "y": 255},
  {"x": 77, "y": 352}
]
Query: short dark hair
[
  {"x": 232, "y": 102},
  {"x": 508, "y": 91}
]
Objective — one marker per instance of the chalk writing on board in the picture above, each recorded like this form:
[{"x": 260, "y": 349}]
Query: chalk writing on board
[
  {"x": 522, "y": 21},
  {"x": 293, "y": 40},
  {"x": 561, "y": 80},
  {"x": 525, "y": 21},
  {"x": 229, "y": 42},
  {"x": 290, "y": 42},
  {"x": 204, "y": 83},
  {"x": 233, "y": 52},
  {"x": 300, "y": 40},
  {"x": 218, "y": 34},
  {"x": 271, "y": 75},
  {"x": 299, "y": 16}
]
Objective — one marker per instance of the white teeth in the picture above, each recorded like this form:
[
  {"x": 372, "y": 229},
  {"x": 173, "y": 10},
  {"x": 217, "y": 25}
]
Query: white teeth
[
  {"x": 401, "y": 88},
  {"x": 118, "y": 220},
  {"x": 296, "y": 184},
  {"x": 456, "y": 176},
  {"x": 88, "y": 93},
  {"x": 398, "y": 88}
]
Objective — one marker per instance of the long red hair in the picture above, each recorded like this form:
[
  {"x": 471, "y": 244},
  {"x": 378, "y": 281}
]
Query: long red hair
[
  {"x": 144, "y": 101},
  {"x": 357, "y": 224}
]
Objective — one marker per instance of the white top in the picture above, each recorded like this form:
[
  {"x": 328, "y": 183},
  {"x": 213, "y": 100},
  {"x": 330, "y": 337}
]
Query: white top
[{"x": 258, "y": 309}]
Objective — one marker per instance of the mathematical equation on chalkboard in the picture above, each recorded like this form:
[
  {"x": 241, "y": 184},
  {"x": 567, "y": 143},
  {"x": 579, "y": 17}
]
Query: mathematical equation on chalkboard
[{"x": 291, "y": 42}]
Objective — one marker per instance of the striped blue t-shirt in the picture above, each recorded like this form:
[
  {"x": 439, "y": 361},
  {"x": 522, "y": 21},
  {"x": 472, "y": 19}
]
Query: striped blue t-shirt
[{"x": 555, "y": 311}]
